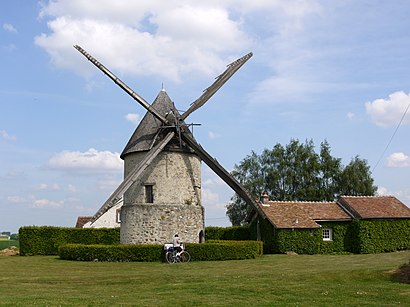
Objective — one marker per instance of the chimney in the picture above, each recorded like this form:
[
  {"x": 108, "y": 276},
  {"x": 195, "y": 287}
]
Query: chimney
[{"x": 265, "y": 198}]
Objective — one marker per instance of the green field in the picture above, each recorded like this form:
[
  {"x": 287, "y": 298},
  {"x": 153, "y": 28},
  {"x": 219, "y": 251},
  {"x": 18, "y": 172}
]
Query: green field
[
  {"x": 272, "y": 280},
  {"x": 7, "y": 243}
]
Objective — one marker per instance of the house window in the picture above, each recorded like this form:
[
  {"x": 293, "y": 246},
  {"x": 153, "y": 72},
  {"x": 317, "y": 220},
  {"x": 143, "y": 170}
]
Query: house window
[
  {"x": 327, "y": 234},
  {"x": 118, "y": 216},
  {"x": 149, "y": 193}
]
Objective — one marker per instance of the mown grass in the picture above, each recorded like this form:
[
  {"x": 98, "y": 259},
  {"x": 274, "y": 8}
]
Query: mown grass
[
  {"x": 7, "y": 243},
  {"x": 272, "y": 280}
]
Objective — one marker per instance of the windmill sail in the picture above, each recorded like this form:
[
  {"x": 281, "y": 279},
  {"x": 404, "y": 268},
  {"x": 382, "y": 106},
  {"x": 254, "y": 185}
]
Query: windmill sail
[
  {"x": 121, "y": 84},
  {"x": 219, "y": 170},
  {"x": 220, "y": 80},
  {"x": 132, "y": 176}
]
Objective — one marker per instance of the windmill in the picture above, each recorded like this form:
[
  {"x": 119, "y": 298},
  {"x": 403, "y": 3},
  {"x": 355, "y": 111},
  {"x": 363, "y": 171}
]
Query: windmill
[{"x": 162, "y": 180}]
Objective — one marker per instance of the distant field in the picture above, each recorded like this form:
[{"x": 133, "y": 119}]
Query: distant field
[
  {"x": 272, "y": 280},
  {"x": 7, "y": 243}
]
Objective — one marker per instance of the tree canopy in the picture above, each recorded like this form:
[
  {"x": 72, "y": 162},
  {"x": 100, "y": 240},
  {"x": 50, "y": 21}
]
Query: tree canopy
[{"x": 297, "y": 173}]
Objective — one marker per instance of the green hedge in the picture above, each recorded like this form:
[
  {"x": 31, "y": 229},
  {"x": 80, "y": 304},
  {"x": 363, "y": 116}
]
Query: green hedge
[
  {"x": 45, "y": 240},
  {"x": 301, "y": 241},
  {"x": 235, "y": 233},
  {"x": 382, "y": 235},
  {"x": 225, "y": 250},
  {"x": 113, "y": 253},
  {"x": 217, "y": 250}
]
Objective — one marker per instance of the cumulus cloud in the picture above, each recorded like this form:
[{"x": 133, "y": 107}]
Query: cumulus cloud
[
  {"x": 91, "y": 160},
  {"x": 398, "y": 159},
  {"x": 168, "y": 39},
  {"x": 4, "y": 135},
  {"x": 388, "y": 112},
  {"x": 9, "y": 28},
  {"x": 133, "y": 118}
]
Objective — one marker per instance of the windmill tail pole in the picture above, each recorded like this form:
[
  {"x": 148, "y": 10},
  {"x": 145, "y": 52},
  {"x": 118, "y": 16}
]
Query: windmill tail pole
[{"x": 121, "y": 84}]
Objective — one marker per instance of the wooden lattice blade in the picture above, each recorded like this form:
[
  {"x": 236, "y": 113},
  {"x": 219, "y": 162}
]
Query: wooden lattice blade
[
  {"x": 122, "y": 85},
  {"x": 220, "y": 80},
  {"x": 132, "y": 176}
]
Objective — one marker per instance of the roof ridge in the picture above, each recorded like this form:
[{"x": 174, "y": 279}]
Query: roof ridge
[
  {"x": 300, "y": 201},
  {"x": 366, "y": 196}
]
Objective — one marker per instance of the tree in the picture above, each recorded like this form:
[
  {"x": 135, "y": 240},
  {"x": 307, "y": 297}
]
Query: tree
[
  {"x": 356, "y": 179},
  {"x": 297, "y": 173}
]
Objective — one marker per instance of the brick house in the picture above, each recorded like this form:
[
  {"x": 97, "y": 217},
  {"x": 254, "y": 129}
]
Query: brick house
[{"x": 351, "y": 224}]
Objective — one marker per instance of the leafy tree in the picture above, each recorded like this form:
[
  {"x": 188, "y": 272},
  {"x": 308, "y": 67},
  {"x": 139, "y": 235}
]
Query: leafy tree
[
  {"x": 14, "y": 236},
  {"x": 297, "y": 173},
  {"x": 356, "y": 179}
]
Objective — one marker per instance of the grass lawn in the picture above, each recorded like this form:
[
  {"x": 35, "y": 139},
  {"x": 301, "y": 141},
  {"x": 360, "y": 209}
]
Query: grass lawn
[
  {"x": 7, "y": 243},
  {"x": 272, "y": 280}
]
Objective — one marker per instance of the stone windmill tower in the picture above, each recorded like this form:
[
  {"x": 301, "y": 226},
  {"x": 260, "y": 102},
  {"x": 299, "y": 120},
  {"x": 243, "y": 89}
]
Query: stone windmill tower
[{"x": 162, "y": 170}]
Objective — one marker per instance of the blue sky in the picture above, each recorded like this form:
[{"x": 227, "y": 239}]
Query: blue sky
[{"x": 334, "y": 70}]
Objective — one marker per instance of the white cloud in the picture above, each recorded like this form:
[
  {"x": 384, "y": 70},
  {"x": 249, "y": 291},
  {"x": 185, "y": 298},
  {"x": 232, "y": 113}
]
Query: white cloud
[
  {"x": 72, "y": 188},
  {"x": 16, "y": 199},
  {"x": 398, "y": 159},
  {"x": 4, "y": 135},
  {"x": 213, "y": 135},
  {"x": 388, "y": 112},
  {"x": 214, "y": 181},
  {"x": 46, "y": 203},
  {"x": 382, "y": 191},
  {"x": 91, "y": 160},
  {"x": 142, "y": 38},
  {"x": 108, "y": 184},
  {"x": 350, "y": 115},
  {"x": 133, "y": 118},
  {"x": 209, "y": 197},
  {"x": 48, "y": 187},
  {"x": 9, "y": 28}
]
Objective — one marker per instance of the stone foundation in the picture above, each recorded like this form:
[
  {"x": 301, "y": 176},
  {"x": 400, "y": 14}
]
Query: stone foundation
[{"x": 157, "y": 224}]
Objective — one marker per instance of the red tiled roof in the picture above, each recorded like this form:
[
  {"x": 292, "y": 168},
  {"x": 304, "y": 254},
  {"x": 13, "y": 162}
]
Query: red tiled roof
[
  {"x": 371, "y": 207},
  {"x": 302, "y": 214},
  {"x": 81, "y": 220}
]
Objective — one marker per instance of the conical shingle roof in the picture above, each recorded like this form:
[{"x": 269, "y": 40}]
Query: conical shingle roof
[{"x": 144, "y": 135}]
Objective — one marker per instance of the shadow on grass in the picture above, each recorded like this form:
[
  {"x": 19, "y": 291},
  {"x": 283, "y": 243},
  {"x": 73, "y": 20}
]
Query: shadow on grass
[{"x": 402, "y": 274}]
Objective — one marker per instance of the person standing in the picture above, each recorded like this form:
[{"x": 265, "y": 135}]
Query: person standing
[{"x": 177, "y": 244}]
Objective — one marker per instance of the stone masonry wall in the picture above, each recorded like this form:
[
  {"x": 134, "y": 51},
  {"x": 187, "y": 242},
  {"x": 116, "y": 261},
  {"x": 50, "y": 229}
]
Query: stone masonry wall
[
  {"x": 176, "y": 182},
  {"x": 158, "y": 224}
]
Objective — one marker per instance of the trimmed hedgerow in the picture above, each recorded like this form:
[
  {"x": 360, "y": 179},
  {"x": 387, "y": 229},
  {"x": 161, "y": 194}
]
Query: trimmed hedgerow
[
  {"x": 225, "y": 250},
  {"x": 215, "y": 250},
  {"x": 301, "y": 241},
  {"x": 235, "y": 233},
  {"x": 45, "y": 240},
  {"x": 382, "y": 235},
  {"x": 112, "y": 253}
]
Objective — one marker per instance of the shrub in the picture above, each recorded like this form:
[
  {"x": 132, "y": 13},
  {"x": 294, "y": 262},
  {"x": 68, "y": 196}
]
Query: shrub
[
  {"x": 216, "y": 250},
  {"x": 113, "y": 253},
  {"x": 45, "y": 240},
  {"x": 225, "y": 250},
  {"x": 301, "y": 241},
  {"x": 235, "y": 233}
]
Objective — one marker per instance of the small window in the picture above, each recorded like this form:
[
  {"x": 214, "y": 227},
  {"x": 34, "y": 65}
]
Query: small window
[
  {"x": 149, "y": 194},
  {"x": 327, "y": 234},
  {"x": 118, "y": 216}
]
